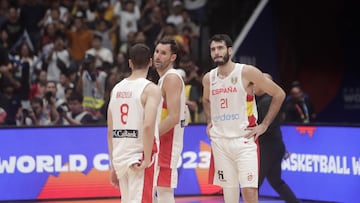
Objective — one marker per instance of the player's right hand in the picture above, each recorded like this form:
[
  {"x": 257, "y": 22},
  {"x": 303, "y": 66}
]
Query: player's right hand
[
  {"x": 113, "y": 178},
  {"x": 208, "y": 129}
]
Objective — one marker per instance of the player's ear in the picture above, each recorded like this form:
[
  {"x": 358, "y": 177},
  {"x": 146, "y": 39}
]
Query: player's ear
[
  {"x": 131, "y": 65},
  {"x": 230, "y": 50},
  {"x": 173, "y": 57},
  {"x": 150, "y": 64}
]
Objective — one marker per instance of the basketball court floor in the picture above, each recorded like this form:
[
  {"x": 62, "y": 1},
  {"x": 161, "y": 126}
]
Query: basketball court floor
[{"x": 186, "y": 199}]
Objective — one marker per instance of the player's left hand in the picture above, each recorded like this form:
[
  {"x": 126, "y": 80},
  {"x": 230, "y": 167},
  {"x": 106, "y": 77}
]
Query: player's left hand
[
  {"x": 141, "y": 165},
  {"x": 255, "y": 131}
]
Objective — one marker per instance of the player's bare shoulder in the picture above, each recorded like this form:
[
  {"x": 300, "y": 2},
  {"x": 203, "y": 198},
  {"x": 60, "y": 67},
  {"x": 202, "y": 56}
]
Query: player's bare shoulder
[
  {"x": 251, "y": 74},
  {"x": 172, "y": 79},
  {"x": 172, "y": 85},
  {"x": 152, "y": 89},
  {"x": 250, "y": 70},
  {"x": 206, "y": 79}
]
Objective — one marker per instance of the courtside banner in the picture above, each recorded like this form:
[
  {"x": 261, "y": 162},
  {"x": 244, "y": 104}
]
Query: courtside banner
[
  {"x": 73, "y": 162},
  {"x": 324, "y": 163}
]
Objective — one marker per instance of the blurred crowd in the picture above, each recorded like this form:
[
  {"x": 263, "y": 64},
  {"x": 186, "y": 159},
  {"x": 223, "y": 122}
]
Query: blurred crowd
[{"x": 59, "y": 59}]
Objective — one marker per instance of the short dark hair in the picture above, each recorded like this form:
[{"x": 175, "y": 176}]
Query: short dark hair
[
  {"x": 97, "y": 36},
  {"x": 174, "y": 48},
  {"x": 140, "y": 55},
  {"x": 37, "y": 100},
  {"x": 51, "y": 81},
  {"x": 74, "y": 96},
  {"x": 221, "y": 37}
]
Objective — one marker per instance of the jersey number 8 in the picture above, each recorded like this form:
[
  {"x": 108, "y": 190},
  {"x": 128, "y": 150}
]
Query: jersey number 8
[{"x": 124, "y": 112}]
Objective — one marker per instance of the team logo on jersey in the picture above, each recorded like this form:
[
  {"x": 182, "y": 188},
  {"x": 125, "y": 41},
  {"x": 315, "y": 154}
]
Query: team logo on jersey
[
  {"x": 126, "y": 133},
  {"x": 234, "y": 80},
  {"x": 250, "y": 177}
]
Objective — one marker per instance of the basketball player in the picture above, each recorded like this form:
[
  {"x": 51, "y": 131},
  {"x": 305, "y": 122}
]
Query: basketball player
[
  {"x": 230, "y": 107},
  {"x": 171, "y": 128},
  {"x": 133, "y": 115},
  {"x": 272, "y": 149}
]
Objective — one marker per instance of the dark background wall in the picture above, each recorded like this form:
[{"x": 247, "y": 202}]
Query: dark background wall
[{"x": 317, "y": 44}]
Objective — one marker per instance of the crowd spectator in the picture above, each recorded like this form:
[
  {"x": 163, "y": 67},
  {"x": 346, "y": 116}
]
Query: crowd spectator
[
  {"x": 34, "y": 116},
  {"x": 31, "y": 13},
  {"x": 87, "y": 8},
  {"x": 4, "y": 7},
  {"x": 4, "y": 38},
  {"x": 50, "y": 32},
  {"x": 298, "y": 107},
  {"x": 62, "y": 85},
  {"x": 79, "y": 38},
  {"x": 57, "y": 60},
  {"x": 175, "y": 16},
  {"x": 37, "y": 89},
  {"x": 107, "y": 34},
  {"x": 101, "y": 53},
  {"x": 170, "y": 30},
  {"x": 25, "y": 54},
  {"x": 130, "y": 40},
  {"x": 128, "y": 17},
  {"x": 13, "y": 27},
  {"x": 76, "y": 114},
  {"x": 10, "y": 103},
  {"x": 64, "y": 14},
  {"x": 52, "y": 103},
  {"x": 91, "y": 85},
  {"x": 152, "y": 24},
  {"x": 192, "y": 98},
  {"x": 193, "y": 90},
  {"x": 45, "y": 47}
]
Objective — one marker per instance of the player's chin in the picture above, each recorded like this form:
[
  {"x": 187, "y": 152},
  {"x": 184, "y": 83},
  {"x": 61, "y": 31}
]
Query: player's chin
[
  {"x": 219, "y": 62},
  {"x": 157, "y": 64}
]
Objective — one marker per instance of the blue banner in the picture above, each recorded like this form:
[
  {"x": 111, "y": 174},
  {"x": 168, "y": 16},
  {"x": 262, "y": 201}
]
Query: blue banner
[
  {"x": 73, "y": 162},
  {"x": 324, "y": 163}
]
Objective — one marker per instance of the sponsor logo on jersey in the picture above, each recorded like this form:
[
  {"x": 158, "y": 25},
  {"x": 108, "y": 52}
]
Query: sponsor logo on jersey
[
  {"x": 250, "y": 177},
  {"x": 226, "y": 117},
  {"x": 125, "y": 133}
]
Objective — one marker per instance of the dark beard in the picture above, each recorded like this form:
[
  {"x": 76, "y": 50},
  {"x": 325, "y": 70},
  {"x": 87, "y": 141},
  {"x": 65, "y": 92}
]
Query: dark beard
[{"x": 226, "y": 59}]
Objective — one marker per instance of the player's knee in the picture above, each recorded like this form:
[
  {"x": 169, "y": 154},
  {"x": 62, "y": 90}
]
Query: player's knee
[
  {"x": 165, "y": 195},
  {"x": 250, "y": 194},
  {"x": 231, "y": 194}
]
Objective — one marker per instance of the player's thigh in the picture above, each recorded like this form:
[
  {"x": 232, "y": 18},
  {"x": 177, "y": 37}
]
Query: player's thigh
[
  {"x": 247, "y": 163},
  {"x": 124, "y": 187},
  {"x": 141, "y": 185},
  {"x": 225, "y": 167}
]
